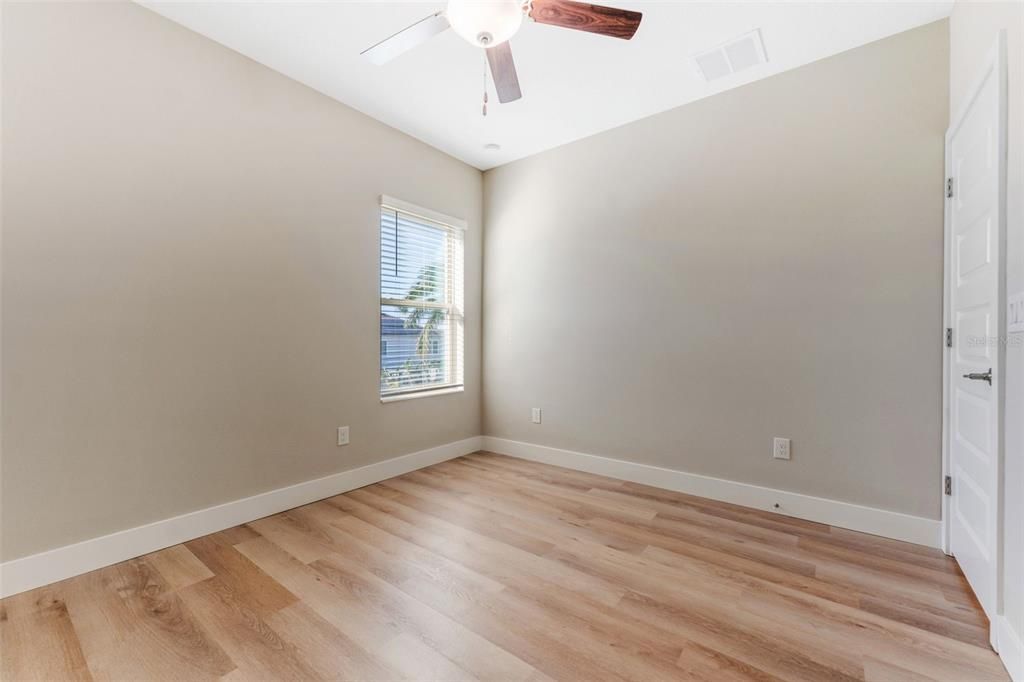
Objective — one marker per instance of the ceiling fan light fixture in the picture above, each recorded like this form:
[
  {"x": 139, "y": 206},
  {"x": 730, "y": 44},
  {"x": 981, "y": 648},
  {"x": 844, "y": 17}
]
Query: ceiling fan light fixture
[
  {"x": 485, "y": 23},
  {"x": 491, "y": 23}
]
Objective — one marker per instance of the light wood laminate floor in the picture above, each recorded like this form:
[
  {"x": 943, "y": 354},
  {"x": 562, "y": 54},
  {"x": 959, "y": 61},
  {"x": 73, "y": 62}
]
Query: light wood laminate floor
[{"x": 492, "y": 568}]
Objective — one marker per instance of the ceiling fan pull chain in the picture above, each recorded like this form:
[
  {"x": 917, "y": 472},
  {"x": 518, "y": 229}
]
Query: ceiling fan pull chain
[{"x": 485, "y": 85}]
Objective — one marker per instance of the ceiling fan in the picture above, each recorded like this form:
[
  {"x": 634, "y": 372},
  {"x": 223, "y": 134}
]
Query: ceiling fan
[{"x": 490, "y": 23}]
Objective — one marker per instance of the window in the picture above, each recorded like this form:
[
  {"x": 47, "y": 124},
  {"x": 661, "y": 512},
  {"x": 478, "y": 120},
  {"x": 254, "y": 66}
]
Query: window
[{"x": 421, "y": 317}]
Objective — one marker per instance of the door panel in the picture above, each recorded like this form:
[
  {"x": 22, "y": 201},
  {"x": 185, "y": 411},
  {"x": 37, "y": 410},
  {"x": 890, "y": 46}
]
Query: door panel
[
  {"x": 972, "y": 324},
  {"x": 974, "y": 248},
  {"x": 972, "y": 424},
  {"x": 973, "y": 281},
  {"x": 972, "y": 503}
]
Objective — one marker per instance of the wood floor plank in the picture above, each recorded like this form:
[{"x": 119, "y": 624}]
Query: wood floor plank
[
  {"x": 703, "y": 663},
  {"x": 38, "y": 640},
  {"x": 816, "y": 613},
  {"x": 869, "y": 598},
  {"x": 553, "y": 630},
  {"x": 717, "y": 605},
  {"x": 751, "y": 648},
  {"x": 244, "y": 633},
  {"x": 675, "y": 535},
  {"x": 131, "y": 625},
  {"x": 926, "y": 619},
  {"x": 382, "y": 552},
  {"x": 245, "y": 582},
  {"x": 178, "y": 566},
  {"x": 324, "y": 648},
  {"x": 727, "y": 510},
  {"x": 460, "y": 645},
  {"x": 514, "y": 633},
  {"x": 358, "y": 613},
  {"x": 521, "y": 468},
  {"x": 505, "y": 563},
  {"x": 494, "y": 496},
  {"x": 502, "y": 508},
  {"x": 880, "y": 671},
  {"x": 934, "y": 572},
  {"x": 292, "y": 533},
  {"x": 548, "y": 531},
  {"x": 670, "y": 512},
  {"x": 568, "y": 498},
  {"x": 829, "y": 575},
  {"x": 494, "y": 568},
  {"x": 416, "y": 497}
]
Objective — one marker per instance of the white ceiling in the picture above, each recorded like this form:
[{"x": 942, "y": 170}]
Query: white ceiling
[{"x": 574, "y": 84}]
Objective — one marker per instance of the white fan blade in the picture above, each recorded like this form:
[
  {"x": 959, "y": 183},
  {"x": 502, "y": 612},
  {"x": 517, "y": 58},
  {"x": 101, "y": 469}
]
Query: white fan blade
[{"x": 406, "y": 39}]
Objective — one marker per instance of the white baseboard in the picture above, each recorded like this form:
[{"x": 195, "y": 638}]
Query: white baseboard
[
  {"x": 1011, "y": 648},
  {"x": 33, "y": 571},
  {"x": 51, "y": 566},
  {"x": 881, "y": 522}
]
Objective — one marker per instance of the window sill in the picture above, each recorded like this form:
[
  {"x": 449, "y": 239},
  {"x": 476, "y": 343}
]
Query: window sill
[{"x": 446, "y": 390}]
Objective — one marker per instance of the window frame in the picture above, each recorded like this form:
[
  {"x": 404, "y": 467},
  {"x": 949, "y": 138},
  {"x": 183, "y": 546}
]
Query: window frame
[{"x": 455, "y": 368}]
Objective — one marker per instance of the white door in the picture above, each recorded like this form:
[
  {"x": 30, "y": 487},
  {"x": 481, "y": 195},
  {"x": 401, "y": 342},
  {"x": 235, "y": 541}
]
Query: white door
[{"x": 975, "y": 161}]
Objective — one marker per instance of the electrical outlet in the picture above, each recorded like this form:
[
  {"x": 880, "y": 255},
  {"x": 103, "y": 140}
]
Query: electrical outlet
[
  {"x": 535, "y": 415},
  {"x": 342, "y": 435},
  {"x": 780, "y": 448}
]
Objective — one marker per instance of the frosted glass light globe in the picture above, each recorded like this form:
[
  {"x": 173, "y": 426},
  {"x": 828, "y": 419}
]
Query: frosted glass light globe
[{"x": 485, "y": 23}]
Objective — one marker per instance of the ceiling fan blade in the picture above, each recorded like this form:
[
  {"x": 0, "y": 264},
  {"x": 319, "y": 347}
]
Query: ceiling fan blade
[
  {"x": 582, "y": 16},
  {"x": 406, "y": 39},
  {"x": 503, "y": 71}
]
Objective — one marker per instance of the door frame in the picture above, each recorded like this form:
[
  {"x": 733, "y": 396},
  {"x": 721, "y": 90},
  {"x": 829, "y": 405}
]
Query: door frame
[{"x": 995, "y": 65}]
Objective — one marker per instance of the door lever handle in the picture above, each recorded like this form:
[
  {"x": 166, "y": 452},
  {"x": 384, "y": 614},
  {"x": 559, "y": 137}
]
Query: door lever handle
[{"x": 980, "y": 376}]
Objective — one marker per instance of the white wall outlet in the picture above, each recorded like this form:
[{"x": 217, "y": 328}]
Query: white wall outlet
[
  {"x": 342, "y": 435},
  {"x": 1015, "y": 313},
  {"x": 535, "y": 415},
  {"x": 780, "y": 448}
]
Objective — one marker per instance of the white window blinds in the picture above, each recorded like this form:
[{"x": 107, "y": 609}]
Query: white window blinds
[{"x": 421, "y": 303}]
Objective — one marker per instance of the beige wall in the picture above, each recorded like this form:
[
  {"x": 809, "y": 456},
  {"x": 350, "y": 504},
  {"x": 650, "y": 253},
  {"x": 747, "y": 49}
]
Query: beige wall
[
  {"x": 973, "y": 27},
  {"x": 765, "y": 262},
  {"x": 189, "y": 276}
]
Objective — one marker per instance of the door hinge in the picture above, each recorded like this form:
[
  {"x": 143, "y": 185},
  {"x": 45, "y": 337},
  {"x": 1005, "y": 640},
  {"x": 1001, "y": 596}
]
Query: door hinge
[
  {"x": 949, "y": 188},
  {"x": 949, "y": 485},
  {"x": 949, "y": 337}
]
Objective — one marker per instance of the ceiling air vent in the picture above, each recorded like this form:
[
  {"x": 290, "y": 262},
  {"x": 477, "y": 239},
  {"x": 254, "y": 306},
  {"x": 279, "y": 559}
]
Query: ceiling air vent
[{"x": 732, "y": 57}]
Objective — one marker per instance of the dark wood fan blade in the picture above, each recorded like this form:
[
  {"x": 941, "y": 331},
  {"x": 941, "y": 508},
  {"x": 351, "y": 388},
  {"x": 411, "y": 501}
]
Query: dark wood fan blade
[
  {"x": 503, "y": 71},
  {"x": 582, "y": 16}
]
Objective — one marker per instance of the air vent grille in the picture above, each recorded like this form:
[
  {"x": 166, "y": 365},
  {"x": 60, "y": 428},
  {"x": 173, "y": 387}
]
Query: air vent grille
[{"x": 737, "y": 55}]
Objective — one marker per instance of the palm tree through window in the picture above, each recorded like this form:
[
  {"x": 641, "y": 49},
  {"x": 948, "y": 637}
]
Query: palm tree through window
[{"x": 421, "y": 320}]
